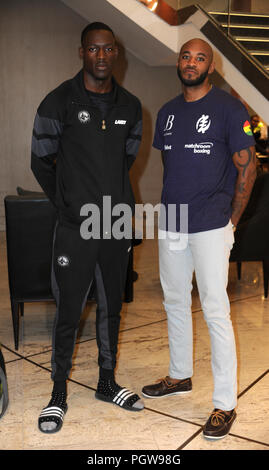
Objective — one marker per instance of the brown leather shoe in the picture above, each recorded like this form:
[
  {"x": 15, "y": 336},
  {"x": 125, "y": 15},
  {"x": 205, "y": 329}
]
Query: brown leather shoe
[
  {"x": 219, "y": 424},
  {"x": 166, "y": 387}
]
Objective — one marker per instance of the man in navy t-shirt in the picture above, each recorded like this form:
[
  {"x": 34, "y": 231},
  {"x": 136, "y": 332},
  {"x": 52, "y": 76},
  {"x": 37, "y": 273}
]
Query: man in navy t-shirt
[{"x": 209, "y": 171}]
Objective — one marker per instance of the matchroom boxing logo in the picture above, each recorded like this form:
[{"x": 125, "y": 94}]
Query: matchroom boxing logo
[{"x": 202, "y": 147}]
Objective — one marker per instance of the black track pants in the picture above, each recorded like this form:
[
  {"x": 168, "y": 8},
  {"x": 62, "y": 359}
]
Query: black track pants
[{"x": 76, "y": 262}]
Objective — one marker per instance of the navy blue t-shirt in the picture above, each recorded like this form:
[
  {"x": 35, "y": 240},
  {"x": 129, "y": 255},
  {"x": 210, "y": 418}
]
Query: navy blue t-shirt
[{"x": 198, "y": 140}]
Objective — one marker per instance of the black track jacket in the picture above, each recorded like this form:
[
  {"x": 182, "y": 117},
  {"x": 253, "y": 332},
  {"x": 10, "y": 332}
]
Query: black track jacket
[{"x": 77, "y": 157}]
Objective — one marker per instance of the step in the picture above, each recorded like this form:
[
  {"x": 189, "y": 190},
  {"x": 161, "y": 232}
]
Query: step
[
  {"x": 246, "y": 31},
  {"x": 259, "y": 53},
  {"x": 239, "y": 13},
  {"x": 250, "y": 39},
  {"x": 253, "y": 43},
  {"x": 245, "y": 18},
  {"x": 263, "y": 59},
  {"x": 245, "y": 26}
]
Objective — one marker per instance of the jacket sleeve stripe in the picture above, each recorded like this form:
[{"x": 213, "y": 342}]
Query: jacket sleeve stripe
[
  {"x": 134, "y": 139},
  {"x": 45, "y": 144},
  {"x": 44, "y": 147},
  {"x": 44, "y": 125},
  {"x": 132, "y": 146},
  {"x": 45, "y": 136}
]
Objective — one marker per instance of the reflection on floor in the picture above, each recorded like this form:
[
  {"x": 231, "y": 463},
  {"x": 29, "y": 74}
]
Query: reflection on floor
[{"x": 165, "y": 424}]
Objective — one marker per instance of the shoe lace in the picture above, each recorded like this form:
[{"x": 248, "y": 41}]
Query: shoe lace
[
  {"x": 166, "y": 380},
  {"x": 217, "y": 417}
]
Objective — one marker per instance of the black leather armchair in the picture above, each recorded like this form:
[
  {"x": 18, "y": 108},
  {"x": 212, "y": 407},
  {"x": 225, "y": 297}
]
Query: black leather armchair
[
  {"x": 252, "y": 234},
  {"x": 30, "y": 222},
  {"x": 4, "y": 399}
]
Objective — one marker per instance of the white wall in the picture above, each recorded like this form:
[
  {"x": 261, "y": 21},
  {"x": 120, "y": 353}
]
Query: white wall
[
  {"x": 39, "y": 42},
  {"x": 38, "y": 49}
]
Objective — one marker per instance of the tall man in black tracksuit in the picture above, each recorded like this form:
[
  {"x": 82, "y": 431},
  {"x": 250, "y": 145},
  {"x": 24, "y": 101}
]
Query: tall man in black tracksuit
[{"x": 86, "y": 136}]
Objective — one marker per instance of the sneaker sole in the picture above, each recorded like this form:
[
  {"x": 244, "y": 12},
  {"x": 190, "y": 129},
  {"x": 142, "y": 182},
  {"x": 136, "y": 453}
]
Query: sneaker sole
[
  {"x": 167, "y": 394},
  {"x": 214, "y": 438}
]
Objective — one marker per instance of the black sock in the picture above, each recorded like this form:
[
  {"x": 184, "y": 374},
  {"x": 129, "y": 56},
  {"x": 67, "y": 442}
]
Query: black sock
[
  {"x": 59, "y": 386},
  {"x": 106, "y": 374},
  {"x": 108, "y": 387}
]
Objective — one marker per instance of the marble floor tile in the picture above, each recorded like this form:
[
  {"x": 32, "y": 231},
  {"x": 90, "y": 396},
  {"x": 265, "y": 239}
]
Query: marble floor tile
[
  {"x": 89, "y": 423},
  {"x": 250, "y": 431},
  {"x": 253, "y": 412},
  {"x": 230, "y": 442},
  {"x": 143, "y": 357}
]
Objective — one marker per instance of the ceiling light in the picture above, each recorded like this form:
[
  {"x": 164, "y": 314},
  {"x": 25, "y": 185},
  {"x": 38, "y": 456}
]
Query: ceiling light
[{"x": 154, "y": 6}]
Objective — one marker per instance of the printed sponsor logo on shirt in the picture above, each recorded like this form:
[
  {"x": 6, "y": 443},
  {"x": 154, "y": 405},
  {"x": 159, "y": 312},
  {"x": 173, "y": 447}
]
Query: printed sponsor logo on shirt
[
  {"x": 168, "y": 147},
  {"x": 84, "y": 116},
  {"x": 169, "y": 124},
  {"x": 247, "y": 128},
  {"x": 203, "y": 123},
  {"x": 202, "y": 147}
]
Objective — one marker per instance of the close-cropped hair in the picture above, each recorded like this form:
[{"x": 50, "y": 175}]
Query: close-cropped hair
[{"x": 93, "y": 27}]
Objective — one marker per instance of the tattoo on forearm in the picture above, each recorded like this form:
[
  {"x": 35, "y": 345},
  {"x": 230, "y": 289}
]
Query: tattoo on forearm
[
  {"x": 244, "y": 154},
  {"x": 245, "y": 162},
  {"x": 241, "y": 187}
]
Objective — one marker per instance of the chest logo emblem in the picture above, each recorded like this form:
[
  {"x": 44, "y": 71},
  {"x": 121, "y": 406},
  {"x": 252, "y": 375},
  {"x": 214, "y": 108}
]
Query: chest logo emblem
[
  {"x": 203, "y": 123},
  {"x": 169, "y": 122},
  {"x": 63, "y": 261},
  {"x": 84, "y": 117}
]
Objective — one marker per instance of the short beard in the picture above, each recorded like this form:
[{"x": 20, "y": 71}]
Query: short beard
[{"x": 192, "y": 82}]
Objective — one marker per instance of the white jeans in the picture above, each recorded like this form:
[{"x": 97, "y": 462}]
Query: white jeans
[{"x": 206, "y": 253}]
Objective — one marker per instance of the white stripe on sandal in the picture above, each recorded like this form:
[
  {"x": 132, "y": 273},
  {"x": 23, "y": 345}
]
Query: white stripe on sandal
[
  {"x": 52, "y": 411},
  {"x": 122, "y": 396}
]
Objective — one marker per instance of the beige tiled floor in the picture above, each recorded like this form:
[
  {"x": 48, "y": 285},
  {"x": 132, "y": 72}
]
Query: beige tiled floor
[{"x": 166, "y": 424}]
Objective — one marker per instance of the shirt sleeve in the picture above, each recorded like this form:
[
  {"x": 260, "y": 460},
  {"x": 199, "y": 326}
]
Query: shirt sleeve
[
  {"x": 239, "y": 134},
  {"x": 158, "y": 142},
  {"x": 47, "y": 130}
]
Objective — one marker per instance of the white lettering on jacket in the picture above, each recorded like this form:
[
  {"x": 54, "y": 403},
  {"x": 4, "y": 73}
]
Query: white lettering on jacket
[{"x": 120, "y": 121}]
